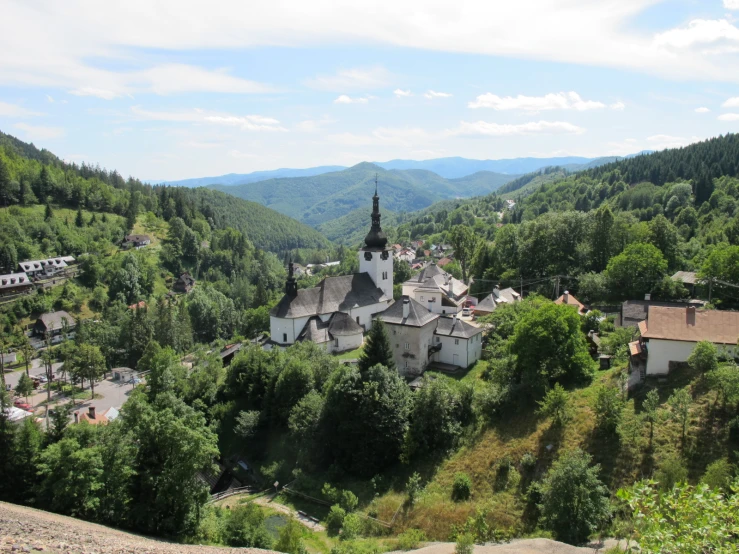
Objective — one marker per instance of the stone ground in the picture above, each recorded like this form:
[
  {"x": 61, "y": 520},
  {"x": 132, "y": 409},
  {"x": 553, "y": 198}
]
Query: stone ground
[{"x": 27, "y": 530}]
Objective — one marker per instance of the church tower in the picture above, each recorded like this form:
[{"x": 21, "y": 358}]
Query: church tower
[{"x": 375, "y": 258}]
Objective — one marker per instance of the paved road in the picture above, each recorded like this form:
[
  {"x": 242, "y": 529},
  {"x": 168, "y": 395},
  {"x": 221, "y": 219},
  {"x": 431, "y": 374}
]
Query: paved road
[{"x": 114, "y": 393}]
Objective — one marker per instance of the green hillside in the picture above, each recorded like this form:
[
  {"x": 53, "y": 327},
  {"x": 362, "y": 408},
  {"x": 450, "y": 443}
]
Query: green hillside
[{"x": 322, "y": 198}]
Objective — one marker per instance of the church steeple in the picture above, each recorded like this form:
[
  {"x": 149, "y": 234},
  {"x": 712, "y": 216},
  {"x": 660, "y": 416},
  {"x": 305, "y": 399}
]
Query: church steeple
[
  {"x": 376, "y": 238},
  {"x": 291, "y": 287}
]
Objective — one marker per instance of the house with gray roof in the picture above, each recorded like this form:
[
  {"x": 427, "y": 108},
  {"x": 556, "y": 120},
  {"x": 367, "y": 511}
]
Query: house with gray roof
[
  {"x": 496, "y": 298},
  {"x": 460, "y": 342},
  {"x": 411, "y": 329},
  {"x": 53, "y": 323},
  {"x": 437, "y": 290},
  {"x": 13, "y": 283},
  {"x": 46, "y": 268}
]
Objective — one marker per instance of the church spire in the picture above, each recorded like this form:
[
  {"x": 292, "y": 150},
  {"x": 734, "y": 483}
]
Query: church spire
[
  {"x": 376, "y": 237},
  {"x": 291, "y": 287}
]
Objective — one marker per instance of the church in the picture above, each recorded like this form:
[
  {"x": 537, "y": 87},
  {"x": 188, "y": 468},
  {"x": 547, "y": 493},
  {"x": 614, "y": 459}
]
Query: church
[{"x": 336, "y": 313}]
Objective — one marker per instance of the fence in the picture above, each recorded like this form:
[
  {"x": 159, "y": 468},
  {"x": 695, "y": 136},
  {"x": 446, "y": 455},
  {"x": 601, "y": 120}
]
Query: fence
[{"x": 237, "y": 490}]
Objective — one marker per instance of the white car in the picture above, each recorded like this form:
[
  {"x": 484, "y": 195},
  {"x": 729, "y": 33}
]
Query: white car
[{"x": 466, "y": 312}]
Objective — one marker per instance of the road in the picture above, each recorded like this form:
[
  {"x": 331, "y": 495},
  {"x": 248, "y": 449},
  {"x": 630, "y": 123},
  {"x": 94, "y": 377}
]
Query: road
[{"x": 114, "y": 393}]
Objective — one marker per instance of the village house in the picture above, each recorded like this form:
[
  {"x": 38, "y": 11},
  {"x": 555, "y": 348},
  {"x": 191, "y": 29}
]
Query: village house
[
  {"x": 411, "y": 329},
  {"x": 184, "y": 284},
  {"x": 136, "y": 241},
  {"x": 14, "y": 283},
  {"x": 635, "y": 311},
  {"x": 45, "y": 268},
  {"x": 407, "y": 255},
  {"x": 460, "y": 342},
  {"x": 499, "y": 296},
  {"x": 92, "y": 417},
  {"x": 436, "y": 290},
  {"x": 568, "y": 300},
  {"x": 51, "y": 324},
  {"x": 689, "y": 279},
  {"x": 669, "y": 336}
]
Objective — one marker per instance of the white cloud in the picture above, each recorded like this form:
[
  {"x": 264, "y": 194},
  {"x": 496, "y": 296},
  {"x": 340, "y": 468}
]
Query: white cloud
[
  {"x": 352, "y": 79},
  {"x": 552, "y": 101},
  {"x": 239, "y": 155},
  {"x": 96, "y": 92},
  {"x": 618, "y": 106},
  {"x": 345, "y": 99},
  {"x": 506, "y": 129},
  {"x": 314, "y": 125},
  {"x": 731, "y": 102},
  {"x": 702, "y": 109},
  {"x": 34, "y": 132},
  {"x": 400, "y": 93},
  {"x": 13, "y": 110},
  {"x": 431, "y": 94},
  {"x": 245, "y": 122},
  {"x": 49, "y": 99},
  {"x": 729, "y": 117},
  {"x": 698, "y": 31},
  {"x": 731, "y": 4}
]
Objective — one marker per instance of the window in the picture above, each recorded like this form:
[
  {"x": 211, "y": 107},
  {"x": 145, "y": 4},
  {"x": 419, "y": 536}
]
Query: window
[
  {"x": 406, "y": 364},
  {"x": 407, "y": 346},
  {"x": 438, "y": 339},
  {"x": 384, "y": 275},
  {"x": 395, "y": 331},
  {"x": 284, "y": 337},
  {"x": 336, "y": 343},
  {"x": 456, "y": 341},
  {"x": 358, "y": 321}
]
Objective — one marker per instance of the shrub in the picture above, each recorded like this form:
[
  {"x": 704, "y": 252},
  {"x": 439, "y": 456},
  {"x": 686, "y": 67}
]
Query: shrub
[
  {"x": 528, "y": 462},
  {"x": 465, "y": 544},
  {"x": 671, "y": 471},
  {"x": 608, "y": 406},
  {"x": 410, "y": 539},
  {"x": 718, "y": 475},
  {"x": 556, "y": 404},
  {"x": 462, "y": 487},
  {"x": 352, "y": 527},
  {"x": 348, "y": 501},
  {"x": 413, "y": 488},
  {"x": 335, "y": 520}
]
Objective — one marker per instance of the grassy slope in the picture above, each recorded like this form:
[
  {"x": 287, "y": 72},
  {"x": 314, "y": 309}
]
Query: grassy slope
[{"x": 525, "y": 431}]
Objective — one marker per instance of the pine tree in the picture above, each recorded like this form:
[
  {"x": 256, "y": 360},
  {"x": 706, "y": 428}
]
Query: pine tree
[
  {"x": 80, "y": 219},
  {"x": 376, "y": 348},
  {"x": 49, "y": 212}
]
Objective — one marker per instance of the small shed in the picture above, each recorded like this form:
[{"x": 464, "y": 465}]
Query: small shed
[{"x": 184, "y": 284}]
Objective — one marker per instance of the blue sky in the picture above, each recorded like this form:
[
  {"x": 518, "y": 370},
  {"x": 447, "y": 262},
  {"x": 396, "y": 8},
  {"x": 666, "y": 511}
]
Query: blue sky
[{"x": 170, "y": 90}]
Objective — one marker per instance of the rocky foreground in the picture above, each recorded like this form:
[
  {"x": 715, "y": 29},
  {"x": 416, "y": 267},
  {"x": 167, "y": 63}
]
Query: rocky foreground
[{"x": 27, "y": 530}]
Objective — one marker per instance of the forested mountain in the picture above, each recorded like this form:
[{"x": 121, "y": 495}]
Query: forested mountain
[
  {"x": 318, "y": 199},
  {"x": 244, "y": 178},
  {"x": 452, "y": 168},
  {"x": 31, "y": 176}
]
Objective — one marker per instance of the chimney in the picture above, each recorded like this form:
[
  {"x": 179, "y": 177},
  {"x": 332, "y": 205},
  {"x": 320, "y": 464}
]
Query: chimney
[
  {"x": 91, "y": 412},
  {"x": 566, "y": 297},
  {"x": 76, "y": 417},
  {"x": 690, "y": 315},
  {"x": 406, "y": 308}
]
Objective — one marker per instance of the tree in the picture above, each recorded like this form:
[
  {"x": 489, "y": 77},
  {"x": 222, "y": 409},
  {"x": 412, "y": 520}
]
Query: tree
[
  {"x": 679, "y": 404},
  {"x": 413, "y": 488},
  {"x": 704, "y": 357},
  {"x": 556, "y": 404},
  {"x": 247, "y": 423},
  {"x": 635, "y": 271},
  {"x": 305, "y": 418},
  {"x": 377, "y": 349},
  {"x": 59, "y": 419},
  {"x": 608, "y": 406},
  {"x": 719, "y": 475},
  {"x": 48, "y": 213},
  {"x": 601, "y": 238},
  {"x": 5, "y": 183},
  {"x": 290, "y": 538},
  {"x": 549, "y": 347},
  {"x": 89, "y": 363},
  {"x": 464, "y": 241},
  {"x": 461, "y": 487},
  {"x": 79, "y": 219},
  {"x": 24, "y": 386},
  {"x": 651, "y": 412},
  {"x": 434, "y": 421},
  {"x": 335, "y": 520},
  {"x": 27, "y": 350},
  {"x": 574, "y": 502},
  {"x": 681, "y": 519},
  {"x": 725, "y": 381}
]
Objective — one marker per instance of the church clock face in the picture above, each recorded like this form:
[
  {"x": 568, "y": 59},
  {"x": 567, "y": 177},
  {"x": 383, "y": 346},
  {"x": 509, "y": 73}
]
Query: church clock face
[{"x": 368, "y": 256}]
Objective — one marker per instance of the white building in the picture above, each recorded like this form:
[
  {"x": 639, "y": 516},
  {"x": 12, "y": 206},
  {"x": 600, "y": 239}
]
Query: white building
[
  {"x": 436, "y": 290},
  {"x": 47, "y": 267},
  {"x": 496, "y": 298},
  {"x": 311, "y": 314},
  {"x": 461, "y": 343},
  {"x": 669, "y": 335},
  {"x": 411, "y": 329}
]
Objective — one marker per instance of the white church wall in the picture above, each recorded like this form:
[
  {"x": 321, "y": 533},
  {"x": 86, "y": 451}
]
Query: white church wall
[{"x": 379, "y": 270}]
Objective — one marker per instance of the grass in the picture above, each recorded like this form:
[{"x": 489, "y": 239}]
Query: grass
[{"x": 350, "y": 354}]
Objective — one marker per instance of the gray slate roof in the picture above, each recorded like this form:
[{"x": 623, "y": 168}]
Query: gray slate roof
[
  {"x": 453, "y": 327},
  {"x": 418, "y": 316},
  {"x": 497, "y": 297},
  {"x": 687, "y": 277},
  {"x": 433, "y": 278},
  {"x": 339, "y": 324},
  {"x": 54, "y": 320},
  {"x": 13, "y": 280},
  {"x": 342, "y": 324},
  {"x": 333, "y": 294}
]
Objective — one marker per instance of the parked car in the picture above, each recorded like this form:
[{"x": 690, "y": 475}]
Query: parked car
[
  {"x": 134, "y": 381},
  {"x": 23, "y": 405},
  {"x": 467, "y": 311}
]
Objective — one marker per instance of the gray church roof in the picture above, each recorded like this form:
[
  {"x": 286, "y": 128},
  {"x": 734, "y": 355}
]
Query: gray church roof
[
  {"x": 453, "y": 327},
  {"x": 342, "y": 324},
  {"x": 333, "y": 294},
  {"x": 418, "y": 316},
  {"x": 339, "y": 324}
]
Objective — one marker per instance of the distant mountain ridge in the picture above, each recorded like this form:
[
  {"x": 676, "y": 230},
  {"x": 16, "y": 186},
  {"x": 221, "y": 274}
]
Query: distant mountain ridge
[{"x": 449, "y": 168}]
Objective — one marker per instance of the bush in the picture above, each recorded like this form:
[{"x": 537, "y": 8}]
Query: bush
[
  {"x": 352, "y": 527},
  {"x": 719, "y": 475},
  {"x": 348, "y": 501},
  {"x": 290, "y": 538},
  {"x": 462, "y": 487},
  {"x": 410, "y": 539},
  {"x": 465, "y": 544},
  {"x": 528, "y": 462},
  {"x": 608, "y": 406},
  {"x": 335, "y": 520},
  {"x": 413, "y": 488},
  {"x": 556, "y": 404},
  {"x": 671, "y": 471}
]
